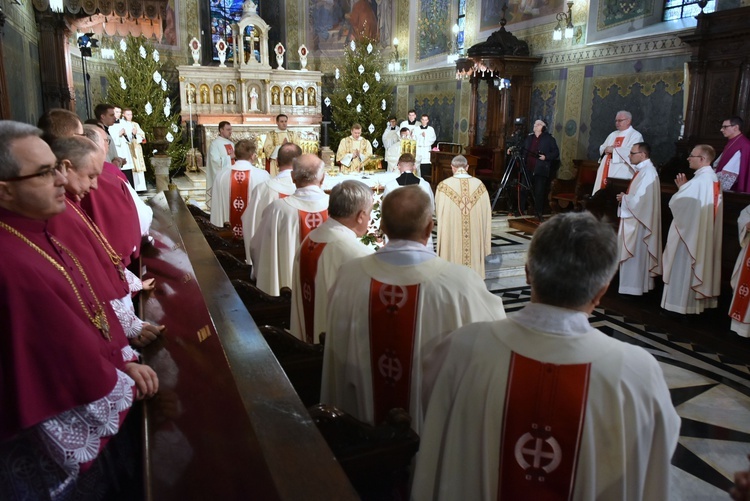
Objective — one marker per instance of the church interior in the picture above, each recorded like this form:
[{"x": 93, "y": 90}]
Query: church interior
[{"x": 238, "y": 414}]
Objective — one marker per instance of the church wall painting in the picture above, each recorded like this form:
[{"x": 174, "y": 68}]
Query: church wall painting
[
  {"x": 615, "y": 12},
  {"x": 333, "y": 23},
  {"x": 433, "y": 28},
  {"x": 438, "y": 101},
  {"x": 518, "y": 11}
]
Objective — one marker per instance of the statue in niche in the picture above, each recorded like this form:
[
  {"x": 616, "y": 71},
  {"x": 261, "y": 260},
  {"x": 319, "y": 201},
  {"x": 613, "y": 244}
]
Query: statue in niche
[
  {"x": 299, "y": 96},
  {"x": 231, "y": 95},
  {"x": 275, "y": 96},
  {"x": 191, "y": 94},
  {"x": 254, "y": 98},
  {"x": 311, "y": 96},
  {"x": 287, "y": 96},
  {"x": 204, "y": 94},
  {"x": 218, "y": 98}
]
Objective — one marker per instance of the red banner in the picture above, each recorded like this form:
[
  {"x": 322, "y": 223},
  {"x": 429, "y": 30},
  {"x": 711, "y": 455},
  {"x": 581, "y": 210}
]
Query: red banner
[
  {"x": 393, "y": 324},
  {"x": 238, "y": 192},
  {"x": 308, "y": 221},
  {"x": 545, "y": 407},
  {"x": 309, "y": 254}
]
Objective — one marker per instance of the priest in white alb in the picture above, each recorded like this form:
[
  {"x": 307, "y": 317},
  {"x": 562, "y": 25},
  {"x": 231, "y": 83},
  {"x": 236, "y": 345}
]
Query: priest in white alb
[
  {"x": 280, "y": 186},
  {"x": 275, "y": 139},
  {"x": 323, "y": 252},
  {"x": 232, "y": 187},
  {"x": 425, "y": 137},
  {"x": 285, "y": 223},
  {"x": 387, "y": 311},
  {"x": 739, "y": 311},
  {"x": 220, "y": 156},
  {"x": 353, "y": 150},
  {"x": 639, "y": 235},
  {"x": 464, "y": 218},
  {"x": 542, "y": 405},
  {"x": 692, "y": 257},
  {"x": 613, "y": 160}
]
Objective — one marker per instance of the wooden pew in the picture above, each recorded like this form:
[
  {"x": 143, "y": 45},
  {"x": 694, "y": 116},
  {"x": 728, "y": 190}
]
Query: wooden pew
[
  {"x": 233, "y": 267},
  {"x": 218, "y": 238},
  {"x": 302, "y": 362},
  {"x": 226, "y": 423},
  {"x": 375, "y": 458},
  {"x": 265, "y": 309}
]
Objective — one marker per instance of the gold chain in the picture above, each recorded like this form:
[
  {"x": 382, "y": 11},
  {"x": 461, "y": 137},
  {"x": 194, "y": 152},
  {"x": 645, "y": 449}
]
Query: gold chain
[
  {"x": 99, "y": 318},
  {"x": 111, "y": 252}
]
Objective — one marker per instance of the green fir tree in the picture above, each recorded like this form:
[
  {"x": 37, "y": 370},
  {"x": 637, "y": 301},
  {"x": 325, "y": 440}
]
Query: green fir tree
[
  {"x": 140, "y": 82},
  {"x": 371, "y": 101}
]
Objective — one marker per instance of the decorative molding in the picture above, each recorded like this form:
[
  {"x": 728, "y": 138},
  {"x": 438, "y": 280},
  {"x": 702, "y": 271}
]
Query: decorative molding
[
  {"x": 573, "y": 110},
  {"x": 431, "y": 75},
  {"x": 659, "y": 46},
  {"x": 673, "y": 83}
]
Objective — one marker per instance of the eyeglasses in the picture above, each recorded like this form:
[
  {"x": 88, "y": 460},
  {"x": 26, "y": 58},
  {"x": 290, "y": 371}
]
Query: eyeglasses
[
  {"x": 727, "y": 126},
  {"x": 47, "y": 173}
]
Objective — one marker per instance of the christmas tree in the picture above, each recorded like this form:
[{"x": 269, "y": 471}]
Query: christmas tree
[
  {"x": 139, "y": 83},
  {"x": 361, "y": 94}
]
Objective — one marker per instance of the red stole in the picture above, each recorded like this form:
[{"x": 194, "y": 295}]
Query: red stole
[
  {"x": 393, "y": 324},
  {"x": 309, "y": 254},
  {"x": 308, "y": 221},
  {"x": 717, "y": 197},
  {"x": 238, "y": 190},
  {"x": 230, "y": 151},
  {"x": 605, "y": 172},
  {"x": 741, "y": 297},
  {"x": 545, "y": 408}
]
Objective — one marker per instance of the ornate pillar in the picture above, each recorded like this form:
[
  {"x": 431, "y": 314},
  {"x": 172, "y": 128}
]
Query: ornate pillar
[
  {"x": 56, "y": 73},
  {"x": 4, "y": 100}
]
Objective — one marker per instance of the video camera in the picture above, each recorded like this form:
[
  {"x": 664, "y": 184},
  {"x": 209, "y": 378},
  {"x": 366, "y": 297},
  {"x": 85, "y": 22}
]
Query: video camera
[{"x": 515, "y": 142}]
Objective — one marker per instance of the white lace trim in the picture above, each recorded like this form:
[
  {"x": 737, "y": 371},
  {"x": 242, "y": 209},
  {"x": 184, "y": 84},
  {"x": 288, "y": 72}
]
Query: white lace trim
[
  {"x": 134, "y": 283},
  {"x": 73, "y": 437},
  {"x": 129, "y": 354},
  {"x": 125, "y": 311}
]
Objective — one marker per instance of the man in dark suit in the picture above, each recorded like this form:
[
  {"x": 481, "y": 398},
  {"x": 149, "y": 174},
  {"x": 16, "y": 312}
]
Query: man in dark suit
[{"x": 541, "y": 153}]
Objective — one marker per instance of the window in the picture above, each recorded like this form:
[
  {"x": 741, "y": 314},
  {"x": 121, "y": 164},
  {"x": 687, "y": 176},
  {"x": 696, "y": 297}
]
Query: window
[
  {"x": 224, "y": 13},
  {"x": 679, "y": 9},
  {"x": 461, "y": 26}
]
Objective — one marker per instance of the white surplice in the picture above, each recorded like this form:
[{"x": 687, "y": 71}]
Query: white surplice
[
  {"x": 619, "y": 166},
  {"x": 639, "y": 236},
  {"x": 342, "y": 245},
  {"x": 223, "y": 185},
  {"x": 218, "y": 159},
  {"x": 261, "y": 197},
  {"x": 630, "y": 427},
  {"x": 442, "y": 307},
  {"x": 464, "y": 221},
  {"x": 692, "y": 257},
  {"x": 275, "y": 243}
]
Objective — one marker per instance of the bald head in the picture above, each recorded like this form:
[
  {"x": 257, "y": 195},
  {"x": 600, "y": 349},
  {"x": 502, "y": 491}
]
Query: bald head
[
  {"x": 308, "y": 170},
  {"x": 287, "y": 153},
  {"x": 406, "y": 214}
]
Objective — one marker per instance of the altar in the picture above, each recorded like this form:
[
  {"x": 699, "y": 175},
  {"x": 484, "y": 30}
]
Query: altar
[{"x": 247, "y": 92}]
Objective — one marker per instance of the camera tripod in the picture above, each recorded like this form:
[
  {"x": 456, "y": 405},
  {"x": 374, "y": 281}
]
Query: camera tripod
[{"x": 517, "y": 166}]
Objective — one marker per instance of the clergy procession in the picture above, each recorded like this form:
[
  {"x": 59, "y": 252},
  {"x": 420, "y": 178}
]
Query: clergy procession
[{"x": 403, "y": 324}]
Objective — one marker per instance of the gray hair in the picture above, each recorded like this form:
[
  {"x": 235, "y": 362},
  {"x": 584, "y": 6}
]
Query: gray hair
[
  {"x": 459, "y": 162},
  {"x": 405, "y": 213},
  {"x": 10, "y": 132},
  {"x": 308, "y": 169},
  {"x": 627, "y": 114},
  {"x": 571, "y": 257},
  {"x": 74, "y": 148},
  {"x": 92, "y": 132},
  {"x": 348, "y": 198}
]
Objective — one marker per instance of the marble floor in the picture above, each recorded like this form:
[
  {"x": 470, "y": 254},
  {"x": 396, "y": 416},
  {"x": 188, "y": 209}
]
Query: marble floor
[{"x": 710, "y": 390}]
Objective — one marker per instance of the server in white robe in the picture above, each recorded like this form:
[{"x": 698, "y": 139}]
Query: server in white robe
[
  {"x": 233, "y": 187},
  {"x": 280, "y": 186},
  {"x": 410, "y": 123},
  {"x": 639, "y": 235},
  {"x": 613, "y": 160},
  {"x": 541, "y": 405},
  {"x": 323, "y": 252},
  {"x": 387, "y": 311},
  {"x": 407, "y": 178},
  {"x": 739, "y": 310},
  {"x": 464, "y": 218},
  {"x": 285, "y": 223},
  {"x": 692, "y": 257},
  {"x": 220, "y": 156},
  {"x": 425, "y": 137},
  {"x": 391, "y": 133}
]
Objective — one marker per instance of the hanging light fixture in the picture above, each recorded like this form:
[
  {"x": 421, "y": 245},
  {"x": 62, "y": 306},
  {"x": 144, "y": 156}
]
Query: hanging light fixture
[
  {"x": 395, "y": 62},
  {"x": 567, "y": 19}
]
